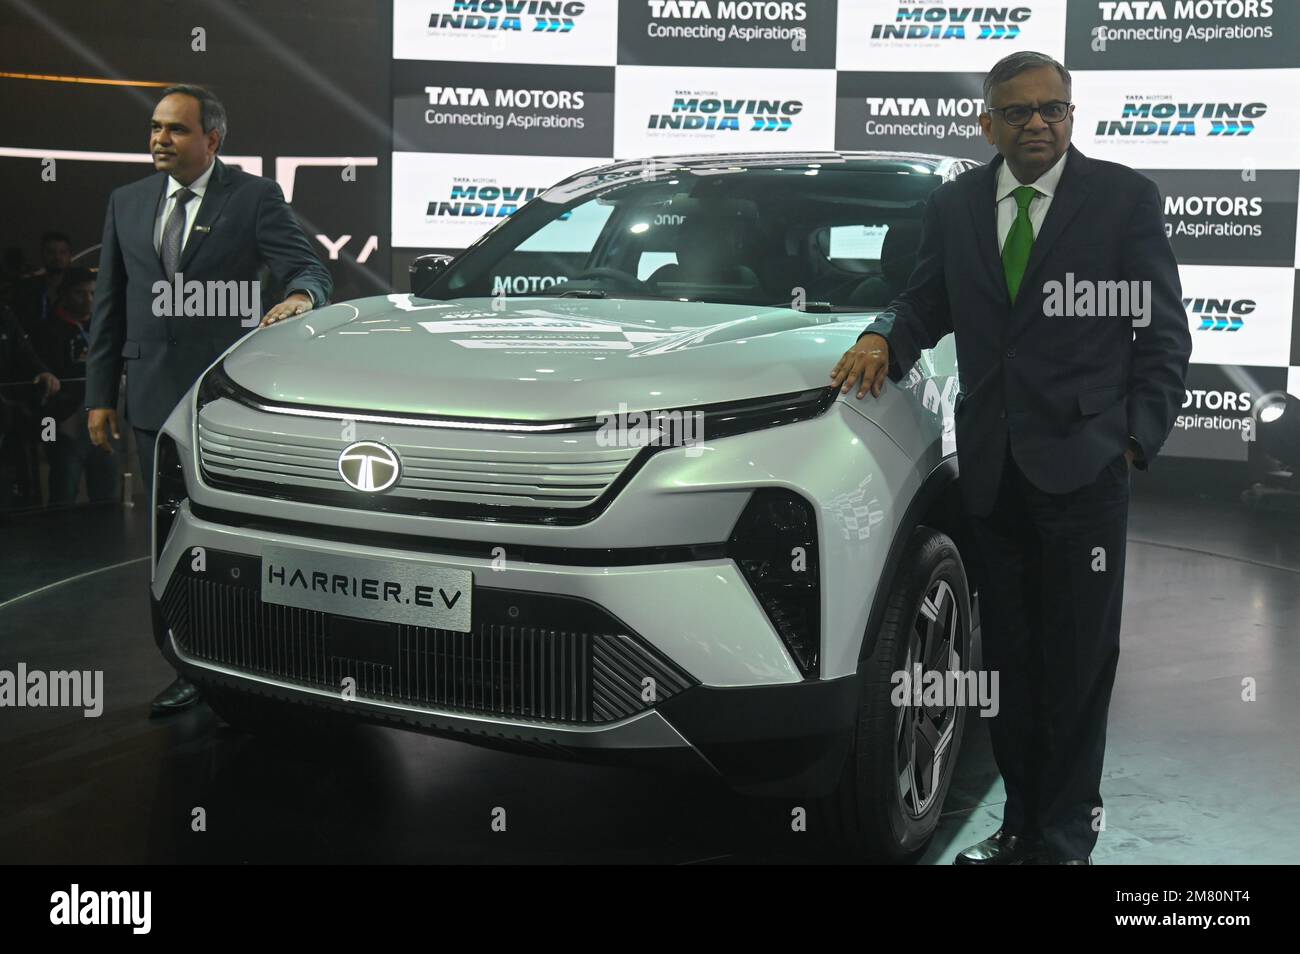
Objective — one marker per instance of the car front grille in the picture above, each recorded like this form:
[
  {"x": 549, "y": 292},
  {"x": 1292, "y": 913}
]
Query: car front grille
[
  {"x": 442, "y": 470},
  {"x": 536, "y": 657}
]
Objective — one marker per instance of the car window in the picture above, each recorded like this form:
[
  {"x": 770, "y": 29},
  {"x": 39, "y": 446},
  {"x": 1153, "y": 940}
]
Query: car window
[
  {"x": 572, "y": 231},
  {"x": 856, "y": 243},
  {"x": 648, "y": 262},
  {"x": 550, "y": 256},
  {"x": 842, "y": 237}
]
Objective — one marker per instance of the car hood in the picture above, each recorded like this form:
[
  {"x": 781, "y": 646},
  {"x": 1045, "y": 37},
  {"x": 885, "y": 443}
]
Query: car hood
[{"x": 538, "y": 358}]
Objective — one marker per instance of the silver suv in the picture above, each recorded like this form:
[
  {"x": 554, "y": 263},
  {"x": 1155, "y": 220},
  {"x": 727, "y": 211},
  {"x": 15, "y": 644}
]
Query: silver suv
[{"x": 586, "y": 492}]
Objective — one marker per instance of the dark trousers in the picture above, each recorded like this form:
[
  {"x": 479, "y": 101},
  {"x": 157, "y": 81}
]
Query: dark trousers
[
  {"x": 144, "y": 445},
  {"x": 71, "y": 454},
  {"x": 1052, "y": 593}
]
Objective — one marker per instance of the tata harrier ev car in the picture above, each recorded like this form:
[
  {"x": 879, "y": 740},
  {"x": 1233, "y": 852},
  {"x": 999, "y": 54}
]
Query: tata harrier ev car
[{"x": 586, "y": 492}]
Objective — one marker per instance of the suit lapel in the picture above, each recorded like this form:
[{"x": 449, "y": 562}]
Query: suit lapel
[
  {"x": 214, "y": 199},
  {"x": 145, "y": 218},
  {"x": 983, "y": 210},
  {"x": 1070, "y": 195}
]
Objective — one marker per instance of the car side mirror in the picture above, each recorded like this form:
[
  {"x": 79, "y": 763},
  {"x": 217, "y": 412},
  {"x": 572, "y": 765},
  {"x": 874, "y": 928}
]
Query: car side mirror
[{"x": 425, "y": 270}]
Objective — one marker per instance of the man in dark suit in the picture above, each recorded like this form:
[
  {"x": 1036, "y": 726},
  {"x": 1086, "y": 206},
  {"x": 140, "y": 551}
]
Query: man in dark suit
[
  {"x": 1059, "y": 397},
  {"x": 206, "y": 221}
]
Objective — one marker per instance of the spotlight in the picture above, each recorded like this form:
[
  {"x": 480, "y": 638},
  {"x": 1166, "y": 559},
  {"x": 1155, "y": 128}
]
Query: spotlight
[{"x": 1277, "y": 427}]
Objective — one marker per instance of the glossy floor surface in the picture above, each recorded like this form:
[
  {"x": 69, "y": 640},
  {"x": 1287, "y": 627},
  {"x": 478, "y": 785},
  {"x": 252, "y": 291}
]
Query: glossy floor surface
[{"x": 1195, "y": 773}]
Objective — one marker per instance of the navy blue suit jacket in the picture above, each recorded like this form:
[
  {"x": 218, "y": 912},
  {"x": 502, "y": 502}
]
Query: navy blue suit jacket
[
  {"x": 242, "y": 225},
  {"x": 1065, "y": 391}
]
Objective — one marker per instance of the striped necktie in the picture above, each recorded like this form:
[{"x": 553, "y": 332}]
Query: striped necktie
[{"x": 173, "y": 232}]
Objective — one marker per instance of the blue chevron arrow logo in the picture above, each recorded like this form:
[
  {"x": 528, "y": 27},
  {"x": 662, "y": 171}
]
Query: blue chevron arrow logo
[
  {"x": 1221, "y": 323},
  {"x": 1231, "y": 127}
]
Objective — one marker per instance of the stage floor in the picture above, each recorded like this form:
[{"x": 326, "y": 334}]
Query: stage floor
[{"x": 1194, "y": 775}]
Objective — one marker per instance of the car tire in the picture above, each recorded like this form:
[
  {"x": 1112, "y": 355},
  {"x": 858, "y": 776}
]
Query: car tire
[{"x": 870, "y": 815}]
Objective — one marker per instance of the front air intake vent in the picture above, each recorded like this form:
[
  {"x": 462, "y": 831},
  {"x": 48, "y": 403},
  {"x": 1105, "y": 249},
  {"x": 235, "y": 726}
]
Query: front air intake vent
[
  {"x": 531, "y": 656},
  {"x": 775, "y": 545}
]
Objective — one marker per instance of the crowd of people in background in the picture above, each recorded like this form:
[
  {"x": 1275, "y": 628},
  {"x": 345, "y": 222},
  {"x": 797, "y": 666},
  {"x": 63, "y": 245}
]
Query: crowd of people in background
[{"x": 44, "y": 332}]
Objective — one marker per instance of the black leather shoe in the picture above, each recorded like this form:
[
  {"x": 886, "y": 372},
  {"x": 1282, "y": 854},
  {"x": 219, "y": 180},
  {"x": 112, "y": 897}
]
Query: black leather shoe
[
  {"x": 1001, "y": 848},
  {"x": 177, "y": 697}
]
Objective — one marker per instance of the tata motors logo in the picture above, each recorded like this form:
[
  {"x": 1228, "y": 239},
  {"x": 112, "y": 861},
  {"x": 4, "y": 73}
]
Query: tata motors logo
[
  {"x": 1168, "y": 119},
  {"x": 1153, "y": 10},
  {"x": 1220, "y": 314},
  {"x": 710, "y": 113},
  {"x": 724, "y": 20},
  {"x": 499, "y": 108},
  {"x": 518, "y": 16},
  {"x": 949, "y": 22},
  {"x": 752, "y": 10},
  {"x": 1191, "y": 12},
  {"x": 1215, "y": 400},
  {"x": 477, "y": 96},
  {"x": 369, "y": 467},
  {"x": 964, "y": 107},
  {"x": 1213, "y": 216},
  {"x": 931, "y": 118}
]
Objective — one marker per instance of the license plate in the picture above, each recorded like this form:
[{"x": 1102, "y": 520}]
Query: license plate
[{"x": 391, "y": 590}]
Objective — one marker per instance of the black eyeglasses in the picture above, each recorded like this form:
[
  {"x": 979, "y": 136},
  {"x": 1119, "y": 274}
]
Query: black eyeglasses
[{"x": 1052, "y": 112}]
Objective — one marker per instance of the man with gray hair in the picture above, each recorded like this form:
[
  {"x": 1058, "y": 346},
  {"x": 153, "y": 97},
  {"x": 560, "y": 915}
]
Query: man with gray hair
[
  {"x": 211, "y": 224},
  {"x": 1051, "y": 414}
]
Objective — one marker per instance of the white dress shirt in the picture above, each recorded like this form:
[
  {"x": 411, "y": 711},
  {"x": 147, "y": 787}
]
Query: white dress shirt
[
  {"x": 198, "y": 187},
  {"x": 1038, "y": 205}
]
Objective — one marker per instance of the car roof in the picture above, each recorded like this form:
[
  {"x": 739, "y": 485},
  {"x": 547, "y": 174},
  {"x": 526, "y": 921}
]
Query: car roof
[{"x": 860, "y": 160}]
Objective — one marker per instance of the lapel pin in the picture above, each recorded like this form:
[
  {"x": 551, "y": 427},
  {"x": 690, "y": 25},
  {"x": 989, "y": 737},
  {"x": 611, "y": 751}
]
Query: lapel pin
[{"x": 203, "y": 228}]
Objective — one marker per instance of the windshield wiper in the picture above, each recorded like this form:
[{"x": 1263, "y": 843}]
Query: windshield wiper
[
  {"x": 814, "y": 307},
  {"x": 584, "y": 293}
]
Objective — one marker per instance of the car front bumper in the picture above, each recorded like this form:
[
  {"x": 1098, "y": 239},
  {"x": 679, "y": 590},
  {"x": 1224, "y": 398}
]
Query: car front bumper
[{"x": 748, "y": 718}]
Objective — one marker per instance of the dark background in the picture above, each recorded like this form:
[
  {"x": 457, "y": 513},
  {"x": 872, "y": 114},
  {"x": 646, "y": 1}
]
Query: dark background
[
  {"x": 316, "y": 78},
  {"x": 298, "y": 78}
]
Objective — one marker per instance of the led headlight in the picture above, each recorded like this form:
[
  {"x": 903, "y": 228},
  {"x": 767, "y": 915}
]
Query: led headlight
[
  {"x": 724, "y": 420},
  {"x": 217, "y": 384}
]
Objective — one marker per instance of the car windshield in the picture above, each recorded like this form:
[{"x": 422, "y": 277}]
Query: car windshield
[{"x": 803, "y": 235}]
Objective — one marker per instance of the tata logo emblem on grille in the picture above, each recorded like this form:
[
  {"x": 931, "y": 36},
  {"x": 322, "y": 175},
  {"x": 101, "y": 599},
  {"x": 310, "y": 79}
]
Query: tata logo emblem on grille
[{"x": 369, "y": 467}]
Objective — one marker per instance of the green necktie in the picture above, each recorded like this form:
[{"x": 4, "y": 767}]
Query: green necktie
[{"x": 1015, "y": 253}]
